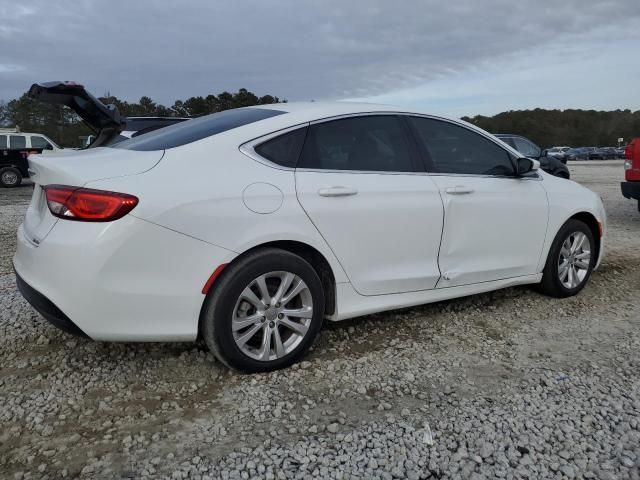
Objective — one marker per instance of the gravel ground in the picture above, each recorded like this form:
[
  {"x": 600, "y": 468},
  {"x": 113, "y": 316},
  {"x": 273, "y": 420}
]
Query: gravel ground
[{"x": 509, "y": 384}]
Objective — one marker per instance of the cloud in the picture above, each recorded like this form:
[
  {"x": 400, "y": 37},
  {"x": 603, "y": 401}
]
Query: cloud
[
  {"x": 593, "y": 70},
  {"x": 299, "y": 50}
]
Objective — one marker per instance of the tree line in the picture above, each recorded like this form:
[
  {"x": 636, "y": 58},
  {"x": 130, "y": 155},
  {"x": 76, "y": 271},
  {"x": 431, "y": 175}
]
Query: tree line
[
  {"x": 574, "y": 128},
  {"x": 65, "y": 128},
  {"x": 545, "y": 127}
]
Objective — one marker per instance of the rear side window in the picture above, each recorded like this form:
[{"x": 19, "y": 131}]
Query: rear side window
[
  {"x": 197, "y": 129},
  {"x": 3, "y": 141},
  {"x": 455, "y": 149},
  {"x": 39, "y": 142},
  {"x": 18, "y": 141},
  {"x": 369, "y": 143},
  {"x": 284, "y": 149}
]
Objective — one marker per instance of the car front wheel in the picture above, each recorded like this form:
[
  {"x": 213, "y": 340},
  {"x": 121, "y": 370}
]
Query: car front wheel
[
  {"x": 264, "y": 312},
  {"x": 571, "y": 260}
]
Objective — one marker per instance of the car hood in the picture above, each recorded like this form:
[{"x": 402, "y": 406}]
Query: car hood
[{"x": 105, "y": 120}]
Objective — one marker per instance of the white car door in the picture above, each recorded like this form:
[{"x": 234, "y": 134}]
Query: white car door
[
  {"x": 495, "y": 222},
  {"x": 357, "y": 181}
]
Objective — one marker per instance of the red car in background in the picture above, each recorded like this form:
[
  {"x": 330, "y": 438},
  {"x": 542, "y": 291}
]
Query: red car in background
[{"x": 631, "y": 187}]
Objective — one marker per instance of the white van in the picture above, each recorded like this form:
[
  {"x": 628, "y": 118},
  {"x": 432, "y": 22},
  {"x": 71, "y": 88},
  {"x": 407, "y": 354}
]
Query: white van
[{"x": 31, "y": 141}]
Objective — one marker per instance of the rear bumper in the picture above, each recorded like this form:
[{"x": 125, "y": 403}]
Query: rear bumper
[
  {"x": 47, "y": 308},
  {"x": 127, "y": 280},
  {"x": 630, "y": 189}
]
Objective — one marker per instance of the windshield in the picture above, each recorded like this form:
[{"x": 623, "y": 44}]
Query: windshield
[{"x": 196, "y": 129}]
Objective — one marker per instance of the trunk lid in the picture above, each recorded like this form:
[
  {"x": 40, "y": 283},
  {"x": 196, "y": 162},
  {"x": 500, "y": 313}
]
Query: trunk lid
[
  {"x": 105, "y": 120},
  {"x": 77, "y": 169}
]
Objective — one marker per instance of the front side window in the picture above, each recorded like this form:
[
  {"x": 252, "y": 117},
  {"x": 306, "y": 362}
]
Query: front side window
[
  {"x": 455, "y": 149},
  {"x": 39, "y": 142},
  {"x": 508, "y": 141},
  {"x": 18, "y": 141},
  {"x": 526, "y": 148},
  {"x": 3, "y": 141},
  {"x": 368, "y": 143},
  {"x": 284, "y": 149}
]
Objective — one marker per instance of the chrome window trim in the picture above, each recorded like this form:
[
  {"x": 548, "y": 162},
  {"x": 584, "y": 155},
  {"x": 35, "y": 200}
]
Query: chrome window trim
[
  {"x": 363, "y": 172},
  {"x": 354, "y": 115},
  {"x": 535, "y": 176},
  {"x": 248, "y": 148}
]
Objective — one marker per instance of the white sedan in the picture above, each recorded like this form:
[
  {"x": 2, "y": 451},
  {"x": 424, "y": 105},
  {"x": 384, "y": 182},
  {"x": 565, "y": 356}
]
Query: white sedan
[{"x": 248, "y": 228}]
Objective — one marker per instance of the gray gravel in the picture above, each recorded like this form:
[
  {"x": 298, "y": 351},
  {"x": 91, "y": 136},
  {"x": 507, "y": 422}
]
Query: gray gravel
[{"x": 509, "y": 384}]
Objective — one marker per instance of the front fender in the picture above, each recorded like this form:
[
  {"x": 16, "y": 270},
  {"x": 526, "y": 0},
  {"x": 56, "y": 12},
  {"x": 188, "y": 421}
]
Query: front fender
[{"x": 567, "y": 199}]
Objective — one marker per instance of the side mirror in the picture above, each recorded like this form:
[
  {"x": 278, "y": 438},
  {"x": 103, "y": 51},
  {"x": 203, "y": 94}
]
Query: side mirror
[
  {"x": 544, "y": 153},
  {"x": 526, "y": 165}
]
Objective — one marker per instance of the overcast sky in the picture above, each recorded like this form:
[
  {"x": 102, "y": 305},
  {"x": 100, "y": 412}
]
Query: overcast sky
[{"x": 446, "y": 56}]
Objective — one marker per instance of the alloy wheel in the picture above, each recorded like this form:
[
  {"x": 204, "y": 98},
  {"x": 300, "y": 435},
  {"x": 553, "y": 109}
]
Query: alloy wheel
[
  {"x": 574, "y": 260},
  {"x": 272, "y": 316}
]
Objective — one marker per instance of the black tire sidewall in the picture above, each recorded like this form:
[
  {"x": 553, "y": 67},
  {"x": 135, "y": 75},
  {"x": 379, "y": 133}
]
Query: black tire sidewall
[
  {"x": 218, "y": 311},
  {"x": 14, "y": 170},
  {"x": 551, "y": 278}
]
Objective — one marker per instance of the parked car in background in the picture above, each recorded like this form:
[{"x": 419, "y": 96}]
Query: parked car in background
[
  {"x": 284, "y": 226},
  {"x": 109, "y": 125},
  {"x": 603, "y": 153},
  {"x": 529, "y": 149},
  {"x": 631, "y": 186},
  {"x": 579, "y": 153},
  {"x": 559, "y": 152},
  {"x": 620, "y": 152},
  {"x": 596, "y": 154},
  {"x": 609, "y": 153},
  {"x": 591, "y": 151},
  {"x": 15, "y": 147}
]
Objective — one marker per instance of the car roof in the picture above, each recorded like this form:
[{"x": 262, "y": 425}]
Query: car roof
[
  {"x": 315, "y": 110},
  {"x": 296, "y": 113}
]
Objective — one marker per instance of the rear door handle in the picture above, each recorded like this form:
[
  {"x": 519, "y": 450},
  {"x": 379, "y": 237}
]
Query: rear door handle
[
  {"x": 458, "y": 190},
  {"x": 337, "y": 192}
]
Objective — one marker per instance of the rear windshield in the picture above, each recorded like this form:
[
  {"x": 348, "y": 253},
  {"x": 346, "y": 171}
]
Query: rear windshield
[
  {"x": 137, "y": 124},
  {"x": 197, "y": 129}
]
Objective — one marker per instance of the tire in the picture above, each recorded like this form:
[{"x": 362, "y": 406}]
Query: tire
[
  {"x": 555, "y": 282},
  {"x": 10, "y": 177},
  {"x": 230, "y": 305},
  {"x": 563, "y": 174}
]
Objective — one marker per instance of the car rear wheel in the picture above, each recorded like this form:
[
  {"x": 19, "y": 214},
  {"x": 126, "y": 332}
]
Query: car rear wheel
[
  {"x": 264, "y": 312},
  {"x": 570, "y": 262},
  {"x": 10, "y": 177}
]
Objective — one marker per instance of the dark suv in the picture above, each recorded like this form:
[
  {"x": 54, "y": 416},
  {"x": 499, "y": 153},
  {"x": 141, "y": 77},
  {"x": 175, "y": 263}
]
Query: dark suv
[{"x": 526, "y": 147}]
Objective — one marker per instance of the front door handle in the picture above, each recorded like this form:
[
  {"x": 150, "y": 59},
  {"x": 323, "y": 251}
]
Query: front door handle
[
  {"x": 337, "y": 192},
  {"x": 458, "y": 190}
]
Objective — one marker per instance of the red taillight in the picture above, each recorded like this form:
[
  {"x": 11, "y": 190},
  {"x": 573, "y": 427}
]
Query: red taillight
[{"x": 88, "y": 205}]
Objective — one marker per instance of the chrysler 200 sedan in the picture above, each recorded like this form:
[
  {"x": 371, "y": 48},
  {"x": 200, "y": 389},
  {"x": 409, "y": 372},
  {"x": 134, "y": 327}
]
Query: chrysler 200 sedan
[{"x": 294, "y": 213}]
